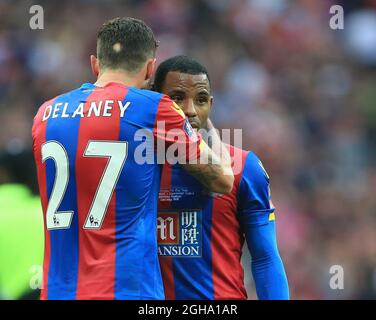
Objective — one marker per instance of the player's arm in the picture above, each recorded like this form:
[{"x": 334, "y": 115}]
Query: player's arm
[
  {"x": 217, "y": 154},
  {"x": 258, "y": 222},
  {"x": 212, "y": 171},
  {"x": 198, "y": 159}
]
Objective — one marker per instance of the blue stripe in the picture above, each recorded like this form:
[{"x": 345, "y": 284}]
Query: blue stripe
[
  {"x": 137, "y": 273},
  {"x": 193, "y": 275},
  {"x": 63, "y": 270}
]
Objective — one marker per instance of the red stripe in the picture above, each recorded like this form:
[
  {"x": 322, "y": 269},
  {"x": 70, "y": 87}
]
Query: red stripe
[
  {"x": 168, "y": 277},
  {"x": 96, "y": 271},
  {"x": 166, "y": 114},
  {"x": 166, "y": 263},
  {"x": 227, "y": 242},
  {"x": 39, "y": 138}
]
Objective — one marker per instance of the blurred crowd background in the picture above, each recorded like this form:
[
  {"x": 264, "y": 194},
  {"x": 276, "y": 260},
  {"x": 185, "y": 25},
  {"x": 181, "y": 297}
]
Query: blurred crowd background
[{"x": 304, "y": 95}]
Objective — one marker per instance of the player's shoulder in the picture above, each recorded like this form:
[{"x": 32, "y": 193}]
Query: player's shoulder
[
  {"x": 236, "y": 152},
  {"x": 84, "y": 87},
  {"x": 48, "y": 103},
  {"x": 247, "y": 164},
  {"x": 41, "y": 109},
  {"x": 165, "y": 107},
  {"x": 152, "y": 96},
  {"x": 254, "y": 166}
]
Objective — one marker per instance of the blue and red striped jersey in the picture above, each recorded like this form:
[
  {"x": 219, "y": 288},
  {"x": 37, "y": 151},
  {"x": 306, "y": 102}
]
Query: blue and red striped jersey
[
  {"x": 201, "y": 235},
  {"x": 99, "y": 201}
]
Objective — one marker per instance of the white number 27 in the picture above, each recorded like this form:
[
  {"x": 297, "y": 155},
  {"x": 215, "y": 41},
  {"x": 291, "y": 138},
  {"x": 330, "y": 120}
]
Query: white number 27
[{"x": 115, "y": 151}]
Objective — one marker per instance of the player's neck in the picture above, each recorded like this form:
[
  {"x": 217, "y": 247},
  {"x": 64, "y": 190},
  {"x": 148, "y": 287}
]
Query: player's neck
[{"x": 118, "y": 76}]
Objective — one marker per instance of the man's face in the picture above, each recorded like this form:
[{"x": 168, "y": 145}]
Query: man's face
[{"x": 192, "y": 94}]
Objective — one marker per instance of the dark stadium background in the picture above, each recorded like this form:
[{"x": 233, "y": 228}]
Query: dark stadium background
[{"x": 303, "y": 94}]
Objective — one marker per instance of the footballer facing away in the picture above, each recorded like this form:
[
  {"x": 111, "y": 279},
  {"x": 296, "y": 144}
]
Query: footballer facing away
[
  {"x": 201, "y": 235},
  {"x": 99, "y": 203}
]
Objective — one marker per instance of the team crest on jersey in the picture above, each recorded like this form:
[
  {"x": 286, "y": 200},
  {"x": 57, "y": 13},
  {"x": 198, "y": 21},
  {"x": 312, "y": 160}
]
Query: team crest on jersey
[{"x": 179, "y": 233}]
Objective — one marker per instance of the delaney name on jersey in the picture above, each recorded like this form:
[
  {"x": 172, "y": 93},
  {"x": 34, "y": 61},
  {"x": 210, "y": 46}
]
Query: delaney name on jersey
[{"x": 95, "y": 109}]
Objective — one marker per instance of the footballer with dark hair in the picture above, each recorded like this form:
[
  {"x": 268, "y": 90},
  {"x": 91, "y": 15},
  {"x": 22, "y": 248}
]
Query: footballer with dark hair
[
  {"x": 201, "y": 234},
  {"x": 99, "y": 202}
]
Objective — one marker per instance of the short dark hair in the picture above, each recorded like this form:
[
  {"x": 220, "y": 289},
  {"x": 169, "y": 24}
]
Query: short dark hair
[
  {"x": 125, "y": 43},
  {"x": 181, "y": 64}
]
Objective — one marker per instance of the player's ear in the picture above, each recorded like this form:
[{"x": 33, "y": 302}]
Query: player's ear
[
  {"x": 94, "y": 65},
  {"x": 211, "y": 101},
  {"x": 150, "y": 68}
]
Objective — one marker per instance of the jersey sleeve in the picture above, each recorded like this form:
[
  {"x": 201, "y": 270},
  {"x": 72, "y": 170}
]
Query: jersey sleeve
[
  {"x": 172, "y": 127},
  {"x": 257, "y": 216},
  {"x": 255, "y": 207}
]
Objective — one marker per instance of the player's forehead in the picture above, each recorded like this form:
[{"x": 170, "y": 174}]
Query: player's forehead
[{"x": 176, "y": 80}]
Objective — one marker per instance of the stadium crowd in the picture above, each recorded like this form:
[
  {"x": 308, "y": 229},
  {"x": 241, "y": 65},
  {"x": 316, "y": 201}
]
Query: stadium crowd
[{"x": 302, "y": 93}]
